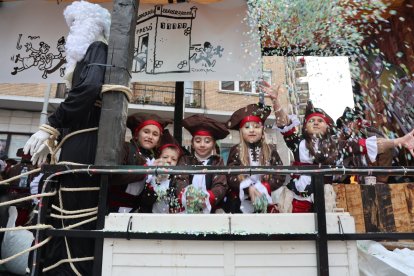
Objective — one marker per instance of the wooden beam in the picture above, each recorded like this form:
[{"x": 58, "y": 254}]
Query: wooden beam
[{"x": 112, "y": 124}]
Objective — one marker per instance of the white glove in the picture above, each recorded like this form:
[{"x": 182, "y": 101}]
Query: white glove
[
  {"x": 35, "y": 141},
  {"x": 40, "y": 156}
]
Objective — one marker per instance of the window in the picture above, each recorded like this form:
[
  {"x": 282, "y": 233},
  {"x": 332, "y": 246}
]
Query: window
[
  {"x": 244, "y": 86},
  {"x": 10, "y": 143},
  {"x": 3, "y": 144},
  {"x": 237, "y": 86}
]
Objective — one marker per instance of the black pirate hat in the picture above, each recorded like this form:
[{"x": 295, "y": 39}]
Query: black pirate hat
[
  {"x": 202, "y": 125},
  {"x": 168, "y": 141},
  {"x": 312, "y": 111},
  {"x": 251, "y": 112},
  {"x": 349, "y": 115},
  {"x": 138, "y": 120}
]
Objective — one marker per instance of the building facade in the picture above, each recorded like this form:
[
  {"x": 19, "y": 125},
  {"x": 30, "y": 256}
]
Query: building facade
[{"x": 21, "y": 105}]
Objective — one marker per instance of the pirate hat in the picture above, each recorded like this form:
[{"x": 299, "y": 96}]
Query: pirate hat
[
  {"x": 349, "y": 115},
  {"x": 138, "y": 120},
  {"x": 205, "y": 126},
  {"x": 24, "y": 157},
  {"x": 250, "y": 113},
  {"x": 312, "y": 111},
  {"x": 168, "y": 141}
]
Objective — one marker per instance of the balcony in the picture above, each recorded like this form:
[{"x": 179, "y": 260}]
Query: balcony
[
  {"x": 164, "y": 95},
  {"x": 300, "y": 73},
  {"x": 302, "y": 86}
]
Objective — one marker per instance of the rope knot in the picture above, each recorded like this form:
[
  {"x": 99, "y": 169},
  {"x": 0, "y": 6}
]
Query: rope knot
[{"x": 118, "y": 88}]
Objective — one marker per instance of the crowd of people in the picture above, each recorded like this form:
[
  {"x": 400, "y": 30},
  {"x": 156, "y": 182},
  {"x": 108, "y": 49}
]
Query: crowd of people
[{"x": 319, "y": 143}]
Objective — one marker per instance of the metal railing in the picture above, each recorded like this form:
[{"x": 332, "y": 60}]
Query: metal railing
[
  {"x": 321, "y": 237},
  {"x": 164, "y": 95}
]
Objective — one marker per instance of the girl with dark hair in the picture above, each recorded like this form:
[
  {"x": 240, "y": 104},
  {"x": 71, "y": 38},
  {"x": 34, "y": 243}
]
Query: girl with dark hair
[
  {"x": 201, "y": 193},
  {"x": 130, "y": 192}
]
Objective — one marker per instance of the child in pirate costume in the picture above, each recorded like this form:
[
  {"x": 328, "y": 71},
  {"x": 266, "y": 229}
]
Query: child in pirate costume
[
  {"x": 351, "y": 126},
  {"x": 169, "y": 152},
  {"x": 86, "y": 49},
  {"x": 252, "y": 193},
  {"x": 202, "y": 193},
  {"x": 318, "y": 145},
  {"x": 130, "y": 191},
  {"x": 315, "y": 146}
]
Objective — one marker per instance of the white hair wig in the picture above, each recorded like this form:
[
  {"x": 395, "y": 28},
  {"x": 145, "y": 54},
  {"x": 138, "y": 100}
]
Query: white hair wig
[{"x": 87, "y": 23}]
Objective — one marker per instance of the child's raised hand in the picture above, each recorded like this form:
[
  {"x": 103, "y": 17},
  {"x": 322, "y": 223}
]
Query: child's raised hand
[
  {"x": 407, "y": 141},
  {"x": 270, "y": 91}
]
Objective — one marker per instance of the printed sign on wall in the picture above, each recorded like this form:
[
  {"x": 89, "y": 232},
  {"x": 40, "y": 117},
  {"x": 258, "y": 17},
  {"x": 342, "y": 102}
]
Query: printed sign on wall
[{"x": 178, "y": 42}]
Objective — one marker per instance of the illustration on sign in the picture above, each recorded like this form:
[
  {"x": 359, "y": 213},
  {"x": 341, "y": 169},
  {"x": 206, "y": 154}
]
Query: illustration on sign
[
  {"x": 161, "y": 29},
  {"x": 39, "y": 57}
]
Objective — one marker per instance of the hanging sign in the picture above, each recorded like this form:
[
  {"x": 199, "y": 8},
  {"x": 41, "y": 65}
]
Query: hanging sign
[{"x": 177, "y": 42}]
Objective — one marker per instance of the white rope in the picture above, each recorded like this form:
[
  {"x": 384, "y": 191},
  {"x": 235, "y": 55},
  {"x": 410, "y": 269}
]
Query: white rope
[
  {"x": 25, "y": 251},
  {"x": 18, "y": 228},
  {"x": 73, "y": 216},
  {"x": 53, "y": 150},
  {"x": 49, "y": 129},
  {"x": 73, "y": 211},
  {"x": 66, "y": 189},
  {"x": 117, "y": 88},
  {"x": 19, "y": 176},
  {"x": 67, "y": 261},
  {"x": 66, "y": 240},
  {"x": 27, "y": 198},
  {"x": 80, "y": 223}
]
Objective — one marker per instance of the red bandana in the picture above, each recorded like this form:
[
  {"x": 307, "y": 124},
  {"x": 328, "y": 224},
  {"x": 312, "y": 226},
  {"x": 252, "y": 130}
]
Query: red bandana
[{"x": 250, "y": 118}]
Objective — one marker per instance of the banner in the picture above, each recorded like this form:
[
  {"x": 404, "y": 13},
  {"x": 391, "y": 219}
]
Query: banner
[{"x": 177, "y": 42}]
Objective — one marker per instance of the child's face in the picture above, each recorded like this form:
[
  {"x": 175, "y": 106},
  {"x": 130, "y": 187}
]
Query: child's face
[
  {"x": 316, "y": 126},
  {"x": 203, "y": 145},
  {"x": 252, "y": 132},
  {"x": 149, "y": 136},
  {"x": 169, "y": 156}
]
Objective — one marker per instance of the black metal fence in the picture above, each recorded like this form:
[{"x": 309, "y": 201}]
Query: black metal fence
[
  {"x": 321, "y": 237},
  {"x": 164, "y": 95}
]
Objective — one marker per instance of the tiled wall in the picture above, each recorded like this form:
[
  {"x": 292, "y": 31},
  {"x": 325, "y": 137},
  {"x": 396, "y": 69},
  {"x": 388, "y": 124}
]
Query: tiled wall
[
  {"x": 26, "y": 89},
  {"x": 19, "y": 121},
  {"x": 215, "y": 99}
]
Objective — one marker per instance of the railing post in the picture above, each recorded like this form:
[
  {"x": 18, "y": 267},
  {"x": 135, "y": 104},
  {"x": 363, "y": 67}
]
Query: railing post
[
  {"x": 37, "y": 263},
  {"x": 178, "y": 111},
  {"x": 321, "y": 237},
  {"x": 100, "y": 224}
]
